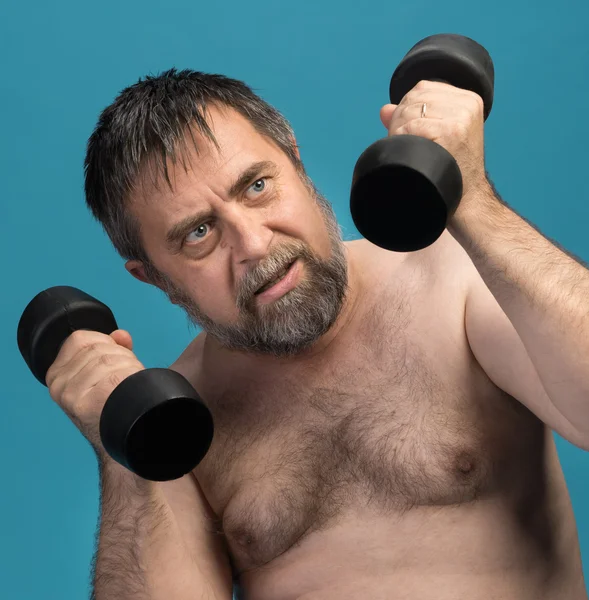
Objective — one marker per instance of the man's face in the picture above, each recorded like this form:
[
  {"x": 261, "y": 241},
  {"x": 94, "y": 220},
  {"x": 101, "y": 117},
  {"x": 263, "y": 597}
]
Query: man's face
[{"x": 213, "y": 247}]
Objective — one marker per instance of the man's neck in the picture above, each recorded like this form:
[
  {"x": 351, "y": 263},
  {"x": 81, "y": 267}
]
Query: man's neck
[{"x": 259, "y": 363}]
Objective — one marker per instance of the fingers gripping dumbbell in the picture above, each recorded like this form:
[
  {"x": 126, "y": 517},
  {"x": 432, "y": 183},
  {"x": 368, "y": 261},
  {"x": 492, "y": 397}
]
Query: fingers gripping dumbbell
[{"x": 154, "y": 423}]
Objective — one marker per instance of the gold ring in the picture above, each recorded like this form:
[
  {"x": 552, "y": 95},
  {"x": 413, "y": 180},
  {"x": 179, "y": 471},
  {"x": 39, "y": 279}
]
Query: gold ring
[{"x": 423, "y": 111}]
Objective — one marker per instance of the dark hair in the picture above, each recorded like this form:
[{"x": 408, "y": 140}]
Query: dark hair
[{"x": 151, "y": 121}]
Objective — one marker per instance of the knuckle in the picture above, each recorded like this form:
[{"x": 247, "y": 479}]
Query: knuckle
[
  {"x": 475, "y": 103},
  {"x": 399, "y": 117},
  {"x": 406, "y": 128},
  {"x": 413, "y": 96},
  {"x": 69, "y": 397},
  {"x": 51, "y": 376},
  {"x": 458, "y": 128},
  {"x": 464, "y": 113},
  {"x": 96, "y": 353},
  {"x": 477, "y": 99},
  {"x": 78, "y": 334},
  {"x": 79, "y": 338},
  {"x": 413, "y": 127},
  {"x": 53, "y": 388},
  {"x": 106, "y": 359},
  {"x": 83, "y": 339},
  {"x": 92, "y": 347},
  {"x": 79, "y": 408},
  {"x": 413, "y": 110},
  {"x": 114, "y": 379}
]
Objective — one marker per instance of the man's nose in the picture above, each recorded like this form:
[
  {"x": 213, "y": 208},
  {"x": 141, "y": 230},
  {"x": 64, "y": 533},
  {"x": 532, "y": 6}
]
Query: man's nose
[{"x": 249, "y": 237}]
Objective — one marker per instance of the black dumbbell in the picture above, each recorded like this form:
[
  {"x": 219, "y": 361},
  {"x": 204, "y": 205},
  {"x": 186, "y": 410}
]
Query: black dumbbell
[
  {"x": 154, "y": 423},
  {"x": 405, "y": 187}
]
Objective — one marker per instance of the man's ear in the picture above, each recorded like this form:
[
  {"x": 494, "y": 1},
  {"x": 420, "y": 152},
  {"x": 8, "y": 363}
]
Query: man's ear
[{"x": 136, "y": 268}]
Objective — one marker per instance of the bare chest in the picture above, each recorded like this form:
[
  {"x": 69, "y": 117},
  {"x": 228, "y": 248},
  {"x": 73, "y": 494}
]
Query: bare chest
[{"x": 402, "y": 416}]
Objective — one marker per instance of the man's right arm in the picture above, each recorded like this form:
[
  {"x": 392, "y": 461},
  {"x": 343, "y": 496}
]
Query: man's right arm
[{"x": 157, "y": 540}]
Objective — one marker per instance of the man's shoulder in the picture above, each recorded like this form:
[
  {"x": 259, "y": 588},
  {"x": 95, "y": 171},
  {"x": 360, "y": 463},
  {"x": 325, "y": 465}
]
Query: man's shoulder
[
  {"x": 378, "y": 263},
  {"x": 444, "y": 265},
  {"x": 190, "y": 361}
]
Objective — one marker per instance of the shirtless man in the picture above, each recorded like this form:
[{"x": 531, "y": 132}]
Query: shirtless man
[{"x": 384, "y": 421}]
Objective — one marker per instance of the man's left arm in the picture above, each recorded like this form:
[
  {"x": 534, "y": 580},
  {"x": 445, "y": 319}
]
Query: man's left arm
[
  {"x": 542, "y": 293},
  {"x": 526, "y": 314}
]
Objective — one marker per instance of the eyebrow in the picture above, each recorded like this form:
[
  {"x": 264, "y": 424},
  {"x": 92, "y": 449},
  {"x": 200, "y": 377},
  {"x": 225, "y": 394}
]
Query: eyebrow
[
  {"x": 186, "y": 225},
  {"x": 250, "y": 175}
]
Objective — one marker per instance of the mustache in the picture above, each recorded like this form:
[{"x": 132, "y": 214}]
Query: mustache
[{"x": 268, "y": 270}]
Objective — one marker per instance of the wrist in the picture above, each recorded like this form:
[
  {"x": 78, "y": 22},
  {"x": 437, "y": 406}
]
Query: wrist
[
  {"x": 481, "y": 202},
  {"x": 113, "y": 474}
]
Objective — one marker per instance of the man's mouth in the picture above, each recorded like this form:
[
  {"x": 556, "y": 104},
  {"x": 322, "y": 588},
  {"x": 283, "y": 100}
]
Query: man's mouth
[{"x": 279, "y": 277}]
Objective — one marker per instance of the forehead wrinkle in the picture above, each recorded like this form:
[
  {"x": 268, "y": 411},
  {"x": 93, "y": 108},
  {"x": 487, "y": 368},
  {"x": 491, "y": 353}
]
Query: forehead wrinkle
[{"x": 203, "y": 153}]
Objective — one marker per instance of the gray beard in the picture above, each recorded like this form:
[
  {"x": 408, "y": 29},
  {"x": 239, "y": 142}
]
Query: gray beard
[{"x": 294, "y": 322}]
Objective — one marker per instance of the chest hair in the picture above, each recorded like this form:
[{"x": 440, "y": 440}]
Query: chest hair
[{"x": 404, "y": 417}]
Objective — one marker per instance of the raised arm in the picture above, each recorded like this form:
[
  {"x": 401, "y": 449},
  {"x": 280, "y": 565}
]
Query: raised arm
[{"x": 157, "y": 540}]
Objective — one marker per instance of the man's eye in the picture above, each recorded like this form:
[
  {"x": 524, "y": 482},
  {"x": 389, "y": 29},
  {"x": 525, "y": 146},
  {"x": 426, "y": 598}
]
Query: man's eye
[
  {"x": 258, "y": 186},
  {"x": 198, "y": 234}
]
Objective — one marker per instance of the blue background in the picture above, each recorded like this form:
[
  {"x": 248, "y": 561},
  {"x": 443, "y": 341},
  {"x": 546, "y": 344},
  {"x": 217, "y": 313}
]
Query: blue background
[{"x": 326, "y": 65}]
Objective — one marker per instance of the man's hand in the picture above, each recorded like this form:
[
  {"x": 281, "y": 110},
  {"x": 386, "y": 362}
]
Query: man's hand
[
  {"x": 89, "y": 366},
  {"x": 454, "y": 118}
]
